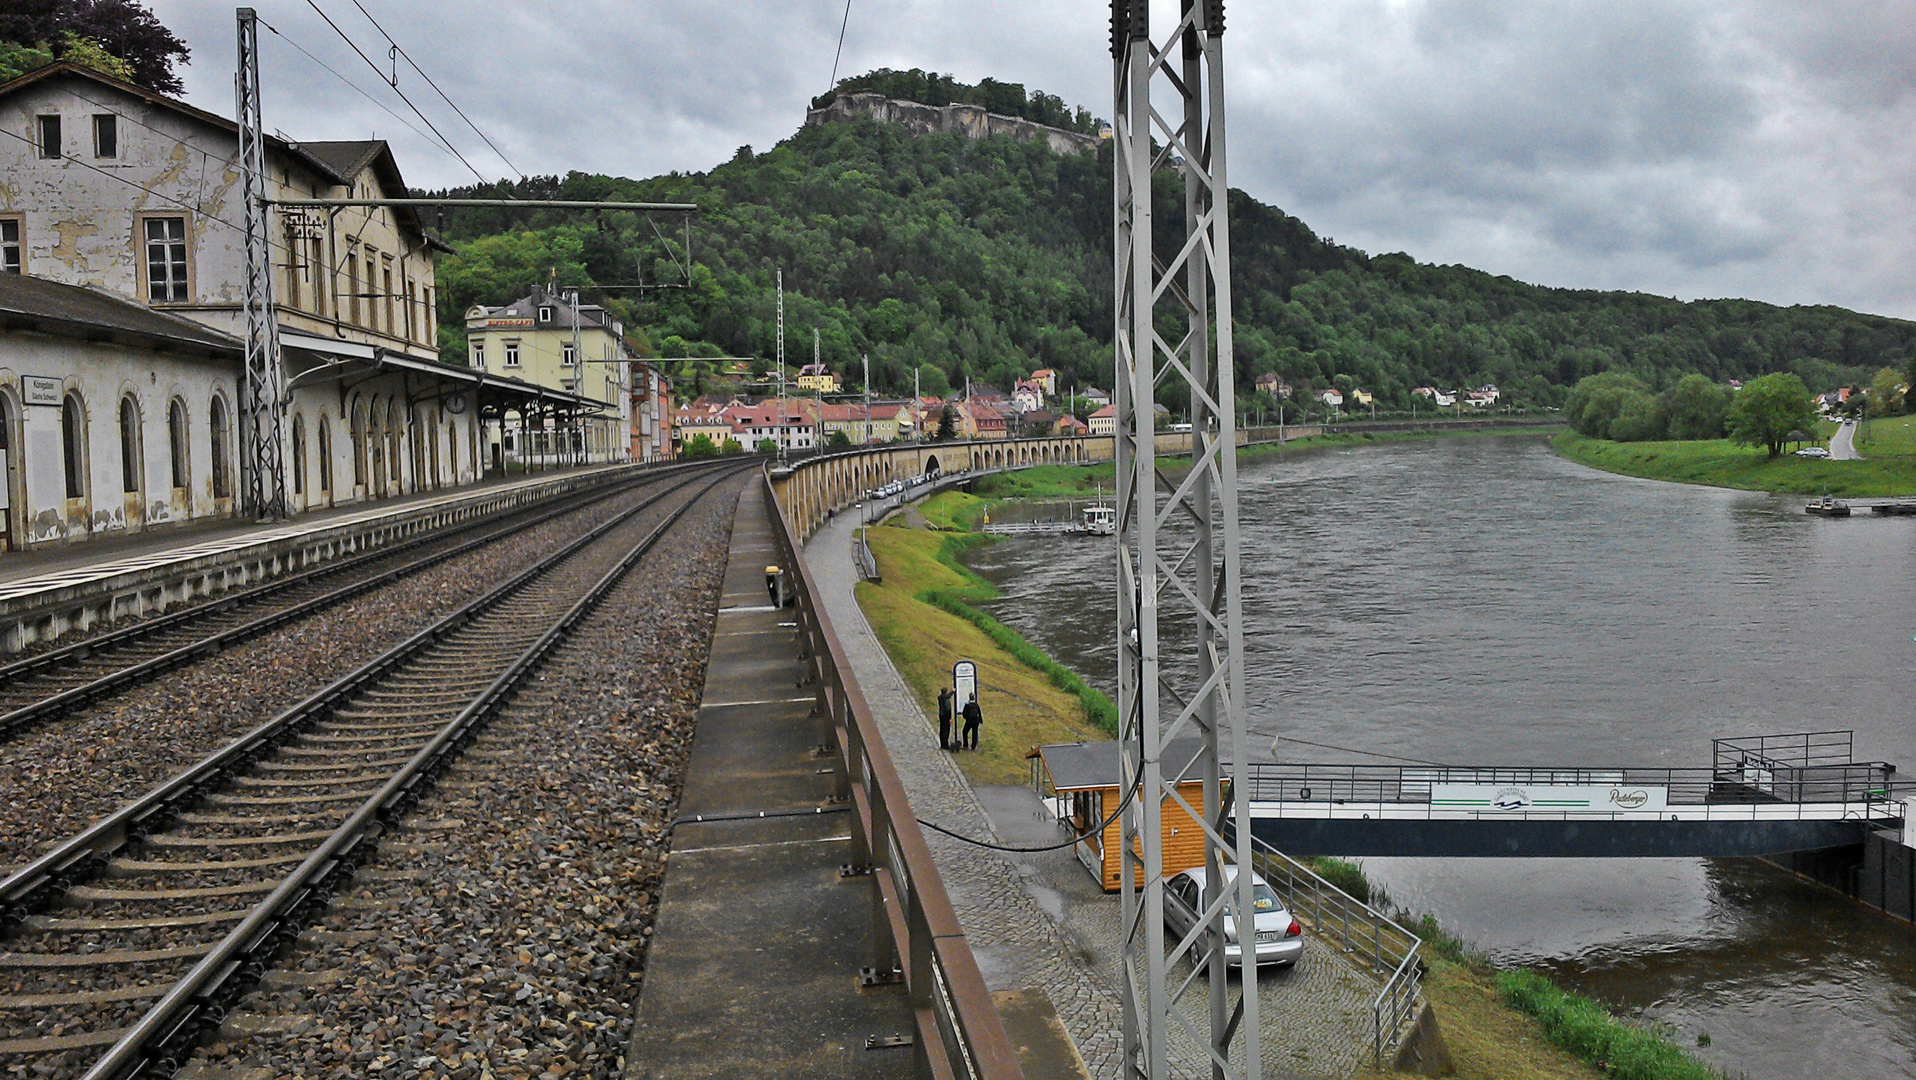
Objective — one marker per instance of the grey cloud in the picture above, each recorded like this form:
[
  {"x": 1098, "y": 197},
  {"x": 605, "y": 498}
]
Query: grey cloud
[{"x": 1684, "y": 146}]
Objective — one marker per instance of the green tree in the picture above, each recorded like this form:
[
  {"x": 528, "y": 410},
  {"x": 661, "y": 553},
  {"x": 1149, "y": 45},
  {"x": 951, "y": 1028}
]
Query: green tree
[
  {"x": 1595, "y": 404},
  {"x": 1766, "y": 410},
  {"x": 838, "y": 440},
  {"x": 119, "y": 37},
  {"x": 731, "y": 446},
  {"x": 700, "y": 447},
  {"x": 768, "y": 446},
  {"x": 947, "y": 423},
  {"x": 1886, "y": 393},
  {"x": 1696, "y": 407}
]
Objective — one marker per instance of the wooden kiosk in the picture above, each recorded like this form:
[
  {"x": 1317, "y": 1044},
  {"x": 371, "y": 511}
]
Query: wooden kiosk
[{"x": 1079, "y": 782}]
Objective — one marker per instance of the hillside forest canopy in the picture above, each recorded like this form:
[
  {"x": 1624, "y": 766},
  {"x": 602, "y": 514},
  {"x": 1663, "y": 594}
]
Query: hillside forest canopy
[{"x": 985, "y": 259}]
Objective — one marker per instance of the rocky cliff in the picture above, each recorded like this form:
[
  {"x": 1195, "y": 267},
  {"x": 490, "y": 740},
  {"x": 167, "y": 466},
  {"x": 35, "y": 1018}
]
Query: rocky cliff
[{"x": 971, "y": 121}]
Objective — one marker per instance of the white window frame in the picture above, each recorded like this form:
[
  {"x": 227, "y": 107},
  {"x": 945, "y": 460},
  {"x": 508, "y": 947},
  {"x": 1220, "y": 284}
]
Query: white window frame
[
  {"x": 479, "y": 355},
  {"x": 545, "y": 314},
  {"x": 512, "y": 354},
  {"x": 569, "y": 356},
  {"x": 184, "y": 264},
  {"x": 13, "y": 253}
]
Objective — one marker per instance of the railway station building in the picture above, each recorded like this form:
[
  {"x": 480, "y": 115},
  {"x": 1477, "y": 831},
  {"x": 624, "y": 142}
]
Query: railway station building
[{"x": 123, "y": 383}]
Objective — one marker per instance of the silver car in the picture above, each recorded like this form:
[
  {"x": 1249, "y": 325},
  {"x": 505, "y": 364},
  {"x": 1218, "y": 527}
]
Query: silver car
[{"x": 1280, "y": 938}]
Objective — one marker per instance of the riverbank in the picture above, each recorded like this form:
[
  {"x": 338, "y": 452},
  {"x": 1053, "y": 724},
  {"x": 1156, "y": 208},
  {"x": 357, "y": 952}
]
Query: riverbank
[
  {"x": 1091, "y": 481},
  {"x": 922, "y": 613},
  {"x": 1721, "y": 463}
]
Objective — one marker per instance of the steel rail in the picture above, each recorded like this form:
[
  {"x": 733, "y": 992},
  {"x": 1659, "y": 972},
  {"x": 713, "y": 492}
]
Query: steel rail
[
  {"x": 34, "y": 885},
  {"x": 917, "y": 936},
  {"x": 113, "y": 682},
  {"x": 171, "y": 1026}
]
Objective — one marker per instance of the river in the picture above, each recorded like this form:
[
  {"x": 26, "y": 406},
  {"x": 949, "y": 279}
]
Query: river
[{"x": 1482, "y": 601}]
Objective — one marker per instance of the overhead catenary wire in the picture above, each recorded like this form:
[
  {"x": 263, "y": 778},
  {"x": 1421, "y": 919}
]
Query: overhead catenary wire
[
  {"x": 842, "y": 23},
  {"x": 402, "y": 94},
  {"x": 357, "y": 89},
  {"x": 401, "y": 50}
]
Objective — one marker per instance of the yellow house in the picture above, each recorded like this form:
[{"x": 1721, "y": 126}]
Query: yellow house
[
  {"x": 555, "y": 342},
  {"x": 817, "y": 378}
]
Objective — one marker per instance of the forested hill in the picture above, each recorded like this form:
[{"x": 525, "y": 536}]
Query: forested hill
[{"x": 990, "y": 258}]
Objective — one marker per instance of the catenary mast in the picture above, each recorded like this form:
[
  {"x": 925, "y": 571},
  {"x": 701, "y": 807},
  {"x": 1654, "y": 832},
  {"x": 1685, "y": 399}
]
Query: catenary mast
[{"x": 1178, "y": 542}]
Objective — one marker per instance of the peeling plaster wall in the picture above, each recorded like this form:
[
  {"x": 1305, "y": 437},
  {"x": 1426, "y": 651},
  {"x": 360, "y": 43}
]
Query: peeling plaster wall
[{"x": 102, "y": 373}]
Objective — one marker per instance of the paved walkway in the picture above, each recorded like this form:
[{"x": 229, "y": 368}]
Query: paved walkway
[
  {"x": 1040, "y": 920},
  {"x": 753, "y": 967}
]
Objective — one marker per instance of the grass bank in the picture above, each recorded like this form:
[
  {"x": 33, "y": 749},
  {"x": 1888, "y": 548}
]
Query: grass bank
[
  {"x": 1887, "y": 436},
  {"x": 1721, "y": 463},
  {"x": 923, "y": 616},
  {"x": 1517, "y": 1024}
]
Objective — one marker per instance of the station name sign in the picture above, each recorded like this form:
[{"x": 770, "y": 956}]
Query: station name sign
[
  {"x": 1549, "y": 798},
  {"x": 40, "y": 389}
]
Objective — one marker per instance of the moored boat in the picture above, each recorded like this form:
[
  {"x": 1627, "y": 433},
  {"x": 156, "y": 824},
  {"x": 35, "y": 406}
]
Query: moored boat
[{"x": 1827, "y": 506}]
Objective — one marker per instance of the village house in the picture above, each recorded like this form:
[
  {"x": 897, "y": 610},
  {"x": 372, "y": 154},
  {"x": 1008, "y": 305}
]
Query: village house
[
  {"x": 1271, "y": 383},
  {"x": 1103, "y": 422},
  {"x": 791, "y": 423},
  {"x": 1046, "y": 380},
  {"x": 1026, "y": 396},
  {"x": 1331, "y": 396},
  {"x": 702, "y": 417},
  {"x": 114, "y": 417}
]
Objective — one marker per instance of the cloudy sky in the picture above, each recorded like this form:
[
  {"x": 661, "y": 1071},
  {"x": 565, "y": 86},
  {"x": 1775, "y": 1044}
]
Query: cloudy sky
[{"x": 1697, "y": 149}]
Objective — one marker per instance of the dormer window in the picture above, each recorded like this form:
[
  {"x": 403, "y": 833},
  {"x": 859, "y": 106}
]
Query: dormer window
[{"x": 545, "y": 314}]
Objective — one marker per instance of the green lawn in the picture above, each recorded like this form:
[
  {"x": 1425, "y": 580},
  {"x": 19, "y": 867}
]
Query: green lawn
[
  {"x": 1721, "y": 463},
  {"x": 1887, "y": 436}
]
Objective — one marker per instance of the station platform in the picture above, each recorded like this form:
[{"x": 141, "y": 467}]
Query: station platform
[
  {"x": 50, "y": 592},
  {"x": 754, "y": 962}
]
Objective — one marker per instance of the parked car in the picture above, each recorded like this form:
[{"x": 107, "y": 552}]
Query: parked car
[
  {"x": 1280, "y": 938},
  {"x": 1813, "y": 452}
]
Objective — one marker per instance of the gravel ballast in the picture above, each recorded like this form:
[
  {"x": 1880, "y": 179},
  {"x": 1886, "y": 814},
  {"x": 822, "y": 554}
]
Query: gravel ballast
[
  {"x": 58, "y": 778},
  {"x": 501, "y": 931}
]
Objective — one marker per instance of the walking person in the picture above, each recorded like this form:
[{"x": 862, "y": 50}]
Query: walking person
[
  {"x": 974, "y": 720},
  {"x": 945, "y": 699}
]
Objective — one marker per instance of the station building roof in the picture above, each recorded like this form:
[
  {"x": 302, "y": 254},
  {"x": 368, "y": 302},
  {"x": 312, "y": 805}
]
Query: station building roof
[{"x": 79, "y": 313}]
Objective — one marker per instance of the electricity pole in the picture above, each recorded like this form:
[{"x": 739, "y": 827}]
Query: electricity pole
[
  {"x": 1190, "y": 687},
  {"x": 778, "y": 424},
  {"x": 867, "y": 360},
  {"x": 262, "y": 408}
]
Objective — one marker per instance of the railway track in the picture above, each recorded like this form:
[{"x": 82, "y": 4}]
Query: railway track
[
  {"x": 57, "y": 682},
  {"x": 126, "y": 943}
]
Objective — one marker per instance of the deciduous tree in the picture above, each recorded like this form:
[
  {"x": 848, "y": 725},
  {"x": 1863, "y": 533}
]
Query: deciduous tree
[{"x": 1766, "y": 410}]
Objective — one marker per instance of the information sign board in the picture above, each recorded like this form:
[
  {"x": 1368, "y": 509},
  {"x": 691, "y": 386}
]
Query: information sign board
[
  {"x": 964, "y": 679},
  {"x": 1549, "y": 798}
]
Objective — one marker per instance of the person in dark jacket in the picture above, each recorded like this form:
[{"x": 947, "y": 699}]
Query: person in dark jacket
[
  {"x": 974, "y": 720},
  {"x": 945, "y": 699}
]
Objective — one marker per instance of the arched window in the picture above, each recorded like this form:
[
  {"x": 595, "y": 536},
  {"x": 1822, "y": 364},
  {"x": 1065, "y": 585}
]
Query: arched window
[
  {"x": 395, "y": 436},
  {"x": 176, "y": 443},
  {"x": 452, "y": 452},
  {"x": 73, "y": 445},
  {"x": 357, "y": 432},
  {"x": 325, "y": 456},
  {"x": 130, "y": 455},
  {"x": 299, "y": 455},
  {"x": 376, "y": 449},
  {"x": 222, "y": 486}
]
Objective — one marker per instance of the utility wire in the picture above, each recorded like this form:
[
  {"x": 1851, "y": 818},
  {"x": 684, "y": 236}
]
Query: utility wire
[
  {"x": 355, "y": 88},
  {"x": 442, "y": 94},
  {"x": 402, "y": 94},
  {"x": 842, "y": 23}
]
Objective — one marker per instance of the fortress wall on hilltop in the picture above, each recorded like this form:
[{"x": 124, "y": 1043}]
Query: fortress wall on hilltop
[{"x": 971, "y": 121}]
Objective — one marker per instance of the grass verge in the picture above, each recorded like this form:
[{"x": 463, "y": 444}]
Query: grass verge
[
  {"x": 921, "y": 615},
  {"x": 1887, "y": 436},
  {"x": 1721, "y": 463}
]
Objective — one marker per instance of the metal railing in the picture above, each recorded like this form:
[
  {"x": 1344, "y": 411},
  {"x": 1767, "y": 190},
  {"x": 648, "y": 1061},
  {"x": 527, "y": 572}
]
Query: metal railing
[
  {"x": 1746, "y": 781},
  {"x": 917, "y": 940},
  {"x": 1336, "y": 916}
]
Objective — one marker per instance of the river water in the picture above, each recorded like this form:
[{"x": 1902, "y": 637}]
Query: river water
[{"x": 1481, "y": 601}]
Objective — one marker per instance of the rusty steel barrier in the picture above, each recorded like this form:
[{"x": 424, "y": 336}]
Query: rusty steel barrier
[{"x": 916, "y": 936}]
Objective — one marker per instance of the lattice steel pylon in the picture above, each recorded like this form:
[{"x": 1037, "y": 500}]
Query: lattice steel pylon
[
  {"x": 262, "y": 408},
  {"x": 1178, "y": 542}
]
